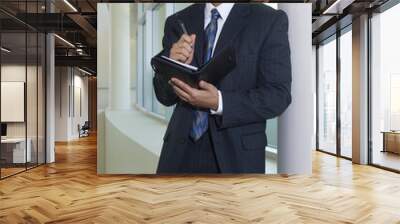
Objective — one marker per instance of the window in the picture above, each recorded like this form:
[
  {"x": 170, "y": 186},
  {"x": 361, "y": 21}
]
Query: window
[
  {"x": 327, "y": 96},
  {"x": 147, "y": 71},
  {"x": 158, "y": 20},
  {"x": 385, "y": 89},
  {"x": 150, "y": 31},
  {"x": 140, "y": 64},
  {"x": 22, "y": 101},
  {"x": 346, "y": 93},
  {"x": 394, "y": 102},
  {"x": 335, "y": 75}
]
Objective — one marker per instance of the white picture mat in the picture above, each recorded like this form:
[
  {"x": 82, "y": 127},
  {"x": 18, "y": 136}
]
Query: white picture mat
[{"x": 12, "y": 101}]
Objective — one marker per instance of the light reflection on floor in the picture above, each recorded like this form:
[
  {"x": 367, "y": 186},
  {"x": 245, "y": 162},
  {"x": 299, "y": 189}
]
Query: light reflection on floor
[{"x": 386, "y": 159}]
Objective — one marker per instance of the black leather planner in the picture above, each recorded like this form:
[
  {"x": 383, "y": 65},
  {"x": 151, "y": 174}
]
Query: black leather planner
[{"x": 213, "y": 71}]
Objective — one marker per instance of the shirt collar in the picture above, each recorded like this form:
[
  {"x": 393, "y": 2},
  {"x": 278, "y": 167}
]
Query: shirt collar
[{"x": 223, "y": 9}]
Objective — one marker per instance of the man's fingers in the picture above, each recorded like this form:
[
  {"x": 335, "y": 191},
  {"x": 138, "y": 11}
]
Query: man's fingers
[
  {"x": 181, "y": 94},
  {"x": 185, "y": 87},
  {"x": 190, "y": 51},
  {"x": 186, "y": 38},
  {"x": 184, "y": 51},
  {"x": 193, "y": 36},
  {"x": 180, "y": 57},
  {"x": 190, "y": 59},
  {"x": 187, "y": 47}
]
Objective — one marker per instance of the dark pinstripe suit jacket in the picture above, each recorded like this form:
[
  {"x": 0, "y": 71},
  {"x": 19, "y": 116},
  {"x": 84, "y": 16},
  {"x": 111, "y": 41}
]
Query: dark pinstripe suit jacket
[{"x": 256, "y": 90}]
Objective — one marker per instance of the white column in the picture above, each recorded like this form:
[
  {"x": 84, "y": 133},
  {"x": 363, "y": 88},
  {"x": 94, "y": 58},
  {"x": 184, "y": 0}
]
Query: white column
[
  {"x": 296, "y": 126},
  {"x": 360, "y": 90},
  {"x": 103, "y": 56},
  {"x": 133, "y": 26},
  {"x": 120, "y": 57},
  {"x": 50, "y": 93},
  {"x": 50, "y": 98},
  {"x": 103, "y": 78}
]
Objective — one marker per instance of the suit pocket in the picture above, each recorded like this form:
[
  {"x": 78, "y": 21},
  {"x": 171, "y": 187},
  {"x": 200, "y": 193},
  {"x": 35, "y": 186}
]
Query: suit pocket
[{"x": 255, "y": 141}]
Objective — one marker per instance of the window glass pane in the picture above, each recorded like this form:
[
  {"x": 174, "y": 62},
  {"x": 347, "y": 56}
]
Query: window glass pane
[
  {"x": 327, "y": 96},
  {"x": 159, "y": 17},
  {"x": 346, "y": 93},
  {"x": 32, "y": 90},
  {"x": 14, "y": 154},
  {"x": 385, "y": 89},
  {"x": 140, "y": 63},
  {"x": 31, "y": 99},
  {"x": 272, "y": 134},
  {"x": 150, "y": 31},
  {"x": 22, "y": 90},
  {"x": 148, "y": 72},
  {"x": 140, "y": 9},
  {"x": 41, "y": 98}
]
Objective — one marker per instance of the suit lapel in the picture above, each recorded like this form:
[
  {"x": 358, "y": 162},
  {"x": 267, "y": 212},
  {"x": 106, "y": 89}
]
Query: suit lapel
[{"x": 232, "y": 26}]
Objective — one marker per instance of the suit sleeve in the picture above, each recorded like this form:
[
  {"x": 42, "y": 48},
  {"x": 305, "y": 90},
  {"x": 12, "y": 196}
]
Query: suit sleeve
[
  {"x": 164, "y": 92},
  {"x": 272, "y": 94}
]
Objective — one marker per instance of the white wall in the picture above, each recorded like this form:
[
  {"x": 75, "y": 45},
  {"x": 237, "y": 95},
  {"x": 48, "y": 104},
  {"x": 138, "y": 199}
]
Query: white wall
[
  {"x": 296, "y": 126},
  {"x": 133, "y": 54},
  {"x": 61, "y": 103},
  {"x": 69, "y": 84},
  {"x": 79, "y": 117},
  {"x": 33, "y": 126},
  {"x": 12, "y": 73}
]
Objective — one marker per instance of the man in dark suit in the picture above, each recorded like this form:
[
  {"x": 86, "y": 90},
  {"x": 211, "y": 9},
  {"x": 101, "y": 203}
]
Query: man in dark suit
[{"x": 221, "y": 129}]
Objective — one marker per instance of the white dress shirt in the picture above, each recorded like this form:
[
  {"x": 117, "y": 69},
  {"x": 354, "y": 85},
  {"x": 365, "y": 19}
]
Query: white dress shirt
[{"x": 223, "y": 9}]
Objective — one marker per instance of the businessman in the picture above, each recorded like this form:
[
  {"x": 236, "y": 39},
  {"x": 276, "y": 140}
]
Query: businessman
[{"x": 221, "y": 129}]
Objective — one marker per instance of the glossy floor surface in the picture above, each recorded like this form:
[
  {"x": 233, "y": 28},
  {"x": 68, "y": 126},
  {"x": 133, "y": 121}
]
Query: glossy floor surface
[
  {"x": 69, "y": 191},
  {"x": 386, "y": 159}
]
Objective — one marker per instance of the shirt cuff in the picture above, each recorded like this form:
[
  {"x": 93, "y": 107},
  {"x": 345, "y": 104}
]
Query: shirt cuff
[{"x": 220, "y": 107}]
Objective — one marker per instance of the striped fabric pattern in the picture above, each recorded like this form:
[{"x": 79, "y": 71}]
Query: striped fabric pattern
[{"x": 200, "y": 122}]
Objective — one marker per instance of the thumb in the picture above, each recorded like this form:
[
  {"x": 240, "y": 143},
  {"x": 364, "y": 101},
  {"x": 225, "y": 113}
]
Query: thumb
[
  {"x": 193, "y": 36},
  {"x": 205, "y": 85}
]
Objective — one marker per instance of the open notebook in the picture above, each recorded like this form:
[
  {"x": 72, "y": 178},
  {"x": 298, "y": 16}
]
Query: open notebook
[
  {"x": 194, "y": 68},
  {"x": 213, "y": 71}
]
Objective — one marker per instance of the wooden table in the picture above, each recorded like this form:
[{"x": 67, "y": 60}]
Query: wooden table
[{"x": 391, "y": 141}]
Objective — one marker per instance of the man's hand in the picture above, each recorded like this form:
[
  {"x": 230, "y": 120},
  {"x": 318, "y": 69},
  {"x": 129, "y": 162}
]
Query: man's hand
[
  {"x": 183, "y": 50},
  {"x": 205, "y": 97}
]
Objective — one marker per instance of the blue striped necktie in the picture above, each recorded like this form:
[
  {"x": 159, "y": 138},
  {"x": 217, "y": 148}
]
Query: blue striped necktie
[{"x": 200, "y": 122}]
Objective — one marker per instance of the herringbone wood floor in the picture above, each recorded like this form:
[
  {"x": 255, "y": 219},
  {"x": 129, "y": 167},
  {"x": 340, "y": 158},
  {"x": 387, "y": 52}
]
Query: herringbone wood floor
[{"x": 69, "y": 191}]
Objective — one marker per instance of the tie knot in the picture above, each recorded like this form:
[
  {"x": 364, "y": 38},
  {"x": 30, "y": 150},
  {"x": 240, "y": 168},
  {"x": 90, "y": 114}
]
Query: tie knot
[{"x": 214, "y": 14}]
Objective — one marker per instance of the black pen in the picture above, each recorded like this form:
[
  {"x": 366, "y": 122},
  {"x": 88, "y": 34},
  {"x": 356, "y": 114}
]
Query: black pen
[{"x": 183, "y": 27}]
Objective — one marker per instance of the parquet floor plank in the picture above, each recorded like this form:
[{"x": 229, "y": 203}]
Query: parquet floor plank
[{"x": 70, "y": 191}]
